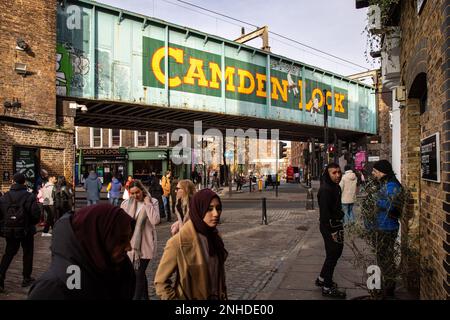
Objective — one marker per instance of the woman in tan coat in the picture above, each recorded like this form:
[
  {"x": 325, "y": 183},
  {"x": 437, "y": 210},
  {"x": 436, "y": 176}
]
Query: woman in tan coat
[
  {"x": 184, "y": 191},
  {"x": 145, "y": 211},
  {"x": 196, "y": 254}
]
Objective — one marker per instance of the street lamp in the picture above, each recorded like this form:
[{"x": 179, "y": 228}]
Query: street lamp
[{"x": 325, "y": 126}]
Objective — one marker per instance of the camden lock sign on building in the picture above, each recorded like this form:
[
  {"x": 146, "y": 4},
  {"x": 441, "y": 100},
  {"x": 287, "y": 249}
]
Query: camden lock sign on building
[{"x": 430, "y": 158}]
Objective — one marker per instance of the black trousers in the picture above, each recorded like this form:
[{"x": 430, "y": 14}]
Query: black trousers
[
  {"x": 12, "y": 247},
  {"x": 50, "y": 220},
  {"x": 333, "y": 253},
  {"x": 141, "y": 291}
]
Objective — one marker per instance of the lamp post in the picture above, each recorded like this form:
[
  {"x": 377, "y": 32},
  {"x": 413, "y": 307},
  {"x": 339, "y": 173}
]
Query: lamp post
[{"x": 325, "y": 125}]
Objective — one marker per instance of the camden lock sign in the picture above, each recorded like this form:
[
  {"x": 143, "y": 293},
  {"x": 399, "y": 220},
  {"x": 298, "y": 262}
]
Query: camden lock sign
[
  {"x": 430, "y": 158},
  {"x": 200, "y": 72}
]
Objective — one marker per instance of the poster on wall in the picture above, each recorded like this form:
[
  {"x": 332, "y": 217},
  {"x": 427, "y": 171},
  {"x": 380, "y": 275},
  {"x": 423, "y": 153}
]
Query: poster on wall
[
  {"x": 25, "y": 162},
  {"x": 430, "y": 158}
]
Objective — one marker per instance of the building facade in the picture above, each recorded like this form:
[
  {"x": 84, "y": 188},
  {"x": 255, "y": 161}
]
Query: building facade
[
  {"x": 35, "y": 133},
  {"x": 415, "y": 67}
]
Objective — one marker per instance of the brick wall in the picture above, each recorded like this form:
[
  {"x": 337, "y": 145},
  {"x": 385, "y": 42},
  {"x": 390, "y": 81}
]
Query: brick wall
[
  {"x": 56, "y": 148},
  {"x": 35, "y": 22},
  {"x": 425, "y": 51}
]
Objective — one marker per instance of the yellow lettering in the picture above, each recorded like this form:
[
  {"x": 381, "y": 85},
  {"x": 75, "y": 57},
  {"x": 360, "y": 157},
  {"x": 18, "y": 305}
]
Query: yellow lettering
[
  {"x": 216, "y": 76},
  {"x": 159, "y": 54},
  {"x": 261, "y": 79},
  {"x": 244, "y": 74},
  {"x": 314, "y": 93},
  {"x": 339, "y": 98},
  {"x": 195, "y": 72},
  {"x": 300, "y": 87},
  {"x": 276, "y": 86}
]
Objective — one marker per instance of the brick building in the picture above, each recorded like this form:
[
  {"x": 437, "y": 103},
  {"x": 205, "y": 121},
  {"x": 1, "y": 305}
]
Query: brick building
[
  {"x": 34, "y": 132},
  {"x": 415, "y": 66}
]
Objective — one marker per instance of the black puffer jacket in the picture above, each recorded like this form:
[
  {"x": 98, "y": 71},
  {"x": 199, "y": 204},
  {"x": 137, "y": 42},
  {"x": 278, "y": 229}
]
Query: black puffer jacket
[
  {"x": 20, "y": 194},
  {"x": 66, "y": 252},
  {"x": 329, "y": 198}
]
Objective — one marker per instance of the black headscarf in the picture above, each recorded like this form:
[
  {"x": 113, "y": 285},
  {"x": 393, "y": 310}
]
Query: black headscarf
[
  {"x": 99, "y": 228},
  {"x": 197, "y": 210}
]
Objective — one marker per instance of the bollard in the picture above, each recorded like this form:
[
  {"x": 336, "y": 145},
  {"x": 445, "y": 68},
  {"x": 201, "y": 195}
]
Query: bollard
[
  {"x": 310, "y": 200},
  {"x": 264, "y": 211}
]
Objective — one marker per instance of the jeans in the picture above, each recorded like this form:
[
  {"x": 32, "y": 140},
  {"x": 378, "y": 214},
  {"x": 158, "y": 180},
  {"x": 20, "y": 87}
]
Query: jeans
[
  {"x": 114, "y": 201},
  {"x": 90, "y": 202},
  {"x": 166, "y": 206},
  {"x": 348, "y": 210},
  {"x": 141, "y": 291},
  {"x": 12, "y": 247},
  {"x": 333, "y": 253}
]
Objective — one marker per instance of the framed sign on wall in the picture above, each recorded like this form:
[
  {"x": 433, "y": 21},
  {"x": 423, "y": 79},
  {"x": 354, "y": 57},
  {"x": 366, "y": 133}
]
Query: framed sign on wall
[{"x": 430, "y": 158}]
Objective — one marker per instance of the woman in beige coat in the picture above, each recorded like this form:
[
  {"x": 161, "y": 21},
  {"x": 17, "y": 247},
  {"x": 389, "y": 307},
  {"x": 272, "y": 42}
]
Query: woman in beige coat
[
  {"x": 348, "y": 197},
  {"x": 184, "y": 191},
  {"x": 145, "y": 211},
  {"x": 196, "y": 254}
]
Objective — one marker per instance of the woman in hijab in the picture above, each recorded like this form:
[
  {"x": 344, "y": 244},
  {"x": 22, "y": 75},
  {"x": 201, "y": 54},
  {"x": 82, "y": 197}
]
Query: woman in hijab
[
  {"x": 89, "y": 257},
  {"x": 145, "y": 211},
  {"x": 196, "y": 254},
  {"x": 184, "y": 191}
]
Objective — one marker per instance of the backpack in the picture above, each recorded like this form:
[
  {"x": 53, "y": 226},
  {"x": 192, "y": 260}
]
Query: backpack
[
  {"x": 63, "y": 200},
  {"x": 14, "y": 222}
]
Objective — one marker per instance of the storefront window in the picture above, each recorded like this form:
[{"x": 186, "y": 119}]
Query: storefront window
[
  {"x": 96, "y": 138},
  {"x": 115, "y": 135}
]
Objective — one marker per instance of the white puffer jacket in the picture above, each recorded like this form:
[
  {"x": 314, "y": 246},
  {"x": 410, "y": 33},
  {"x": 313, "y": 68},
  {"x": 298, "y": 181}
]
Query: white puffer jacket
[{"x": 348, "y": 187}]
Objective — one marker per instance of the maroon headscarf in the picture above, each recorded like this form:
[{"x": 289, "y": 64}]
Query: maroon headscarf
[
  {"x": 198, "y": 207},
  {"x": 99, "y": 229}
]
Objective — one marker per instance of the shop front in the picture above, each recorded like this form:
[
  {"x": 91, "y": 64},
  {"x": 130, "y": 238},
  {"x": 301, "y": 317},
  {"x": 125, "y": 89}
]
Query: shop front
[
  {"x": 142, "y": 162},
  {"x": 107, "y": 163}
]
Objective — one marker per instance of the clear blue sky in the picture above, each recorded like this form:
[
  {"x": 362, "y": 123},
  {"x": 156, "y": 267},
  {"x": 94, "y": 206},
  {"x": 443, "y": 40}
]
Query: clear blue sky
[{"x": 333, "y": 26}]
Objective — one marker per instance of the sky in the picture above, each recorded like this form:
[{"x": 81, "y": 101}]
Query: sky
[{"x": 332, "y": 26}]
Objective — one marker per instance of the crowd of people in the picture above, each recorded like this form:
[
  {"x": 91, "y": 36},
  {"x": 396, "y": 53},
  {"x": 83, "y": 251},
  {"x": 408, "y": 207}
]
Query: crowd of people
[{"x": 113, "y": 244}]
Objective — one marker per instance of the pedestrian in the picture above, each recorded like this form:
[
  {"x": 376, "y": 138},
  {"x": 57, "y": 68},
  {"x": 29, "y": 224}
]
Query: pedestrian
[
  {"x": 145, "y": 211},
  {"x": 185, "y": 190},
  {"x": 196, "y": 254},
  {"x": 48, "y": 193},
  {"x": 126, "y": 194},
  {"x": 215, "y": 182},
  {"x": 165, "y": 184},
  {"x": 63, "y": 198},
  {"x": 331, "y": 228},
  {"x": 156, "y": 191},
  {"x": 348, "y": 189},
  {"x": 93, "y": 186},
  {"x": 238, "y": 182},
  {"x": 41, "y": 180},
  {"x": 173, "y": 193},
  {"x": 114, "y": 188},
  {"x": 389, "y": 206},
  {"x": 95, "y": 240},
  {"x": 19, "y": 213}
]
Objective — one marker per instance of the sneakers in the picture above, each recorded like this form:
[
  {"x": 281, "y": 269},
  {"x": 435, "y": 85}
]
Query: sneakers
[
  {"x": 333, "y": 292},
  {"x": 320, "y": 283},
  {"x": 27, "y": 282},
  {"x": 44, "y": 234}
]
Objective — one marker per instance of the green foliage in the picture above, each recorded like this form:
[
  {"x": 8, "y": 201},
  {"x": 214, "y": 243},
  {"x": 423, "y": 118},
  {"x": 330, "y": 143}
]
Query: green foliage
[{"x": 372, "y": 247}]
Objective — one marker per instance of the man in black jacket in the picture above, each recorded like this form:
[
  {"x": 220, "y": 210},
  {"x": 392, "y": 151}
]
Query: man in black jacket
[
  {"x": 331, "y": 228},
  {"x": 20, "y": 235}
]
